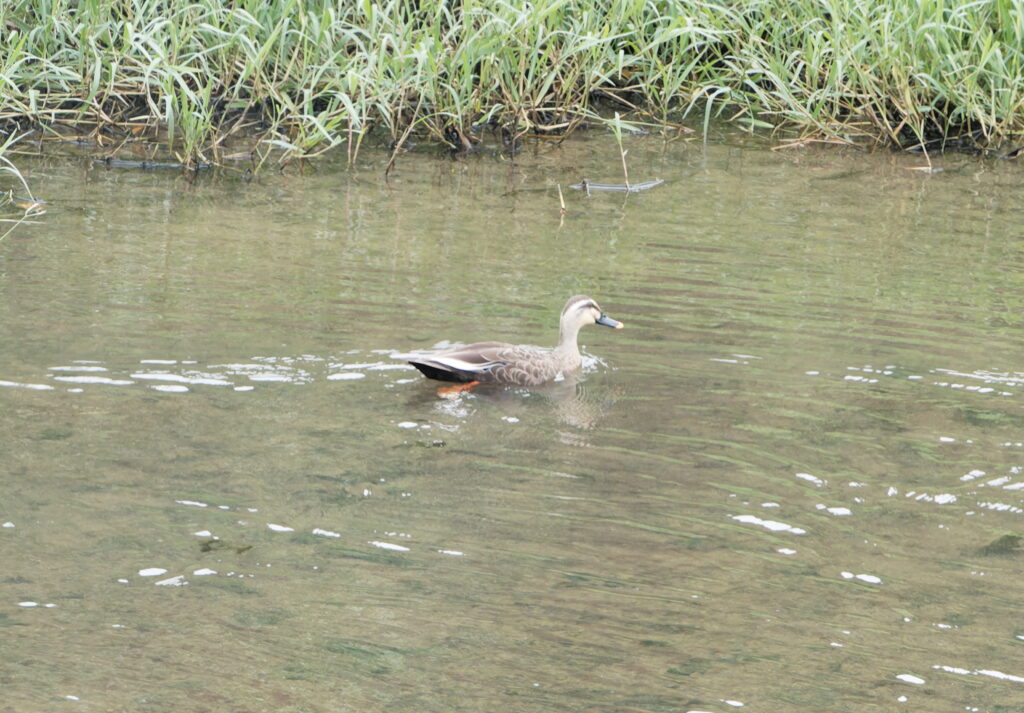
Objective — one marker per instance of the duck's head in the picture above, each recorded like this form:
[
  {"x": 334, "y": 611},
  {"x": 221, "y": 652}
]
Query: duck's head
[{"x": 580, "y": 311}]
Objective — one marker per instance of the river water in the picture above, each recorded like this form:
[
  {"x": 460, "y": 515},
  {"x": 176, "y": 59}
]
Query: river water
[{"x": 793, "y": 482}]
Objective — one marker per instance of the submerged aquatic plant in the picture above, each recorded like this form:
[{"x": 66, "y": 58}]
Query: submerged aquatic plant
[
  {"x": 310, "y": 75},
  {"x": 15, "y": 209}
]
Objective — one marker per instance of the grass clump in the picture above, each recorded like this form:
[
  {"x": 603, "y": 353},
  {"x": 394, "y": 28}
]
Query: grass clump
[{"x": 307, "y": 76}]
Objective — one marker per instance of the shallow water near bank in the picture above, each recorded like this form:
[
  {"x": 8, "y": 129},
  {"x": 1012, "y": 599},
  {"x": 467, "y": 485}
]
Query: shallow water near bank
[{"x": 787, "y": 484}]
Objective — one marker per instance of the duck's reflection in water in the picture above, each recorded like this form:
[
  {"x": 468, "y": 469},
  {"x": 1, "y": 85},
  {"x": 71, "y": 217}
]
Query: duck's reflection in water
[
  {"x": 578, "y": 404},
  {"x": 572, "y": 402}
]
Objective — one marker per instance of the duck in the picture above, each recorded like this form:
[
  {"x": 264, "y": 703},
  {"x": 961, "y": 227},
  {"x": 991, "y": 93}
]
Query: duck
[{"x": 519, "y": 364}]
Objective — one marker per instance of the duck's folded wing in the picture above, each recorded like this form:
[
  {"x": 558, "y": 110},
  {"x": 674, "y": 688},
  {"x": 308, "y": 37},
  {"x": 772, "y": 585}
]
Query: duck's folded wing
[{"x": 462, "y": 363}]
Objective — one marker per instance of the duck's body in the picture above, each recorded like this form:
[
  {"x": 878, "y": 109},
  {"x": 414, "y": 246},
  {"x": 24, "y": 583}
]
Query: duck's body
[{"x": 519, "y": 365}]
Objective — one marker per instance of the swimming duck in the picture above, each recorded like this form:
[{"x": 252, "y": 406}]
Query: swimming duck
[{"x": 519, "y": 365}]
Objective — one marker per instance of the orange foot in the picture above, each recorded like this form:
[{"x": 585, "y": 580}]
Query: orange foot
[{"x": 451, "y": 392}]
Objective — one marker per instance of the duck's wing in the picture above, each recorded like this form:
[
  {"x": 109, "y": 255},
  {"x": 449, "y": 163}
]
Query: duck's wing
[
  {"x": 473, "y": 362},
  {"x": 525, "y": 365}
]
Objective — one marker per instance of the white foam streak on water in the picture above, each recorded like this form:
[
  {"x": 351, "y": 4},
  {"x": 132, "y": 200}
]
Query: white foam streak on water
[
  {"x": 811, "y": 479},
  {"x": 176, "y": 581},
  {"x": 869, "y": 578},
  {"x": 389, "y": 546},
  {"x": 1002, "y": 480},
  {"x": 198, "y": 379},
  {"x": 1000, "y": 674},
  {"x": 940, "y": 499},
  {"x": 979, "y": 672},
  {"x": 910, "y": 678},
  {"x": 240, "y": 367},
  {"x": 1005, "y": 378},
  {"x": 19, "y": 385},
  {"x": 990, "y": 380},
  {"x": 78, "y": 367},
  {"x": 275, "y": 376},
  {"x": 94, "y": 380},
  {"x": 773, "y": 525},
  {"x": 1000, "y": 507}
]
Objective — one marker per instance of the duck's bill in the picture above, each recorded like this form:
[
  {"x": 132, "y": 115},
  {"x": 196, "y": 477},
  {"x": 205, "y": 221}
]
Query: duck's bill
[{"x": 606, "y": 321}]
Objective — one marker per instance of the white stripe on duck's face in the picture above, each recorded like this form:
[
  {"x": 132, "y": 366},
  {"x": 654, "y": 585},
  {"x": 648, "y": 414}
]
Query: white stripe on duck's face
[{"x": 581, "y": 310}]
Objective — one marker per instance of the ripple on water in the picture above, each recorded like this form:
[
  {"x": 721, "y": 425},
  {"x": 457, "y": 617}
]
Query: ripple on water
[
  {"x": 998, "y": 383},
  {"x": 303, "y": 369}
]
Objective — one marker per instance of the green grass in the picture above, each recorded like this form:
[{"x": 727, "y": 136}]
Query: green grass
[{"x": 308, "y": 76}]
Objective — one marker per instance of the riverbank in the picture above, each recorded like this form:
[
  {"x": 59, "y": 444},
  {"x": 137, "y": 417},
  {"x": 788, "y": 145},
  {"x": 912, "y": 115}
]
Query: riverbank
[{"x": 302, "y": 78}]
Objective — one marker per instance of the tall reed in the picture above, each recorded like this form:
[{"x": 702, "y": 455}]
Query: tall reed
[{"x": 311, "y": 75}]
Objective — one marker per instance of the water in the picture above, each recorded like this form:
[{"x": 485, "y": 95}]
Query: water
[{"x": 785, "y": 486}]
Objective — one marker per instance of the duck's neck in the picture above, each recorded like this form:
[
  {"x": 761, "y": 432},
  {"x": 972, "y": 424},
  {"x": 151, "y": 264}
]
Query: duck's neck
[{"x": 567, "y": 347}]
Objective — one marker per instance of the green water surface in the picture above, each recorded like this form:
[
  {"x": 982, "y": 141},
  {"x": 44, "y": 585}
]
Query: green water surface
[{"x": 222, "y": 488}]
